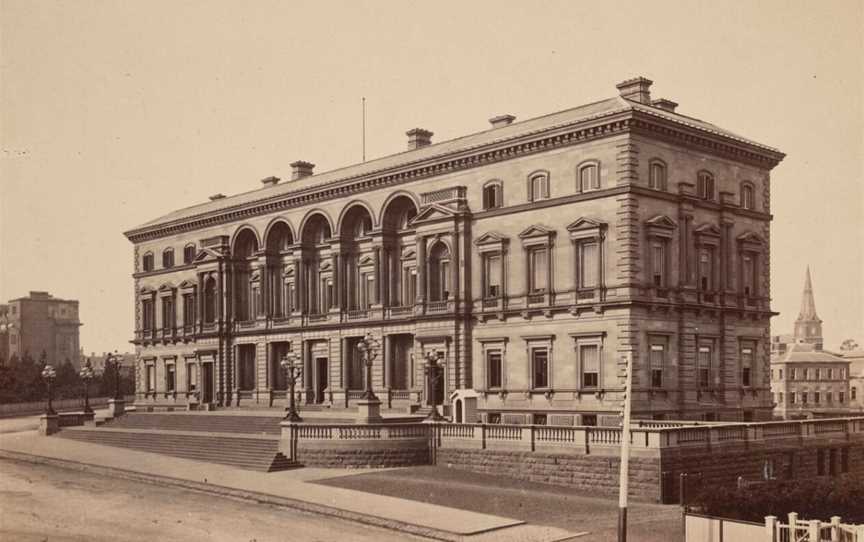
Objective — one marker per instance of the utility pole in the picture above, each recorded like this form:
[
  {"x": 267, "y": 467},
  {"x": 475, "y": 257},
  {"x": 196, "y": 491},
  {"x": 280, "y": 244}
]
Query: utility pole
[
  {"x": 364, "y": 128},
  {"x": 624, "y": 471}
]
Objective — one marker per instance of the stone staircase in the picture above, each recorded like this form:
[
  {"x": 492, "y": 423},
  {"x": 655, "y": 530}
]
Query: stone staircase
[
  {"x": 246, "y": 442},
  {"x": 211, "y": 423}
]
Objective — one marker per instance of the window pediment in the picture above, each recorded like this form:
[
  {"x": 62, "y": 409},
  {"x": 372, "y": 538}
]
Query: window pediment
[
  {"x": 433, "y": 213},
  {"x": 187, "y": 285},
  {"x": 751, "y": 237},
  {"x": 325, "y": 265},
  {"x": 583, "y": 228},
  {"x": 366, "y": 260},
  {"x": 708, "y": 229},
  {"x": 660, "y": 226},
  {"x": 536, "y": 231},
  {"x": 491, "y": 241},
  {"x": 166, "y": 287},
  {"x": 408, "y": 254}
]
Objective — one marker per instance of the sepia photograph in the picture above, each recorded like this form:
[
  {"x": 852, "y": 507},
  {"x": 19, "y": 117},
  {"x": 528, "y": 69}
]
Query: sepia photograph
[{"x": 477, "y": 271}]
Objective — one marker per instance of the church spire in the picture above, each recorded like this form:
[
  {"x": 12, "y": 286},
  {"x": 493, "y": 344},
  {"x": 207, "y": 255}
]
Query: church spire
[
  {"x": 808, "y": 305},
  {"x": 808, "y": 326}
]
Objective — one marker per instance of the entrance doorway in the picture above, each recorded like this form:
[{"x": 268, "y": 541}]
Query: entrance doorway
[
  {"x": 320, "y": 379},
  {"x": 207, "y": 382}
]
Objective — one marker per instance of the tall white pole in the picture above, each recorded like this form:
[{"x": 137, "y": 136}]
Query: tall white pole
[
  {"x": 364, "y": 128},
  {"x": 624, "y": 474}
]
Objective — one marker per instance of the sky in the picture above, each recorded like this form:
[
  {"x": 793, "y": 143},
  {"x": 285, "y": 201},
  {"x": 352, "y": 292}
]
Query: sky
[{"x": 115, "y": 113}]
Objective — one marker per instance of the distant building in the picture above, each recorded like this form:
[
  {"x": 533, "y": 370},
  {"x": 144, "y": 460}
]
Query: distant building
[
  {"x": 856, "y": 379},
  {"x": 810, "y": 383},
  {"x": 40, "y": 323},
  {"x": 807, "y": 381}
]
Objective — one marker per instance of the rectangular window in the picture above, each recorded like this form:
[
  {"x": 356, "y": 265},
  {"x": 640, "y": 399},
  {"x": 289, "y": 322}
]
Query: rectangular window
[
  {"x": 539, "y": 419},
  {"x": 657, "y": 361},
  {"x": 803, "y": 397},
  {"x": 780, "y": 372},
  {"x": 192, "y": 377},
  {"x": 170, "y": 380},
  {"x": 588, "y": 257},
  {"x": 493, "y": 417},
  {"x": 829, "y": 397},
  {"x": 658, "y": 264},
  {"x": 495, "y": 369},
  {"x": 540, "y": 367},
  {"x": 167, "y": 314},
  {"x": 706, "y": 269},
  {"x": 853, "y": 393},
  {"x": 538, "y": 269},
  {"x": 589, "y": 355},
  {"x": 291, "y": 303},
  {"x": 750, "y": 274},
  {"x": 746, "y": 364},
  {"x": 589, "y": 420},
  {"x": 444, "y": 279},
  {"x": 147, "y": 315},
  {"x": 410, "y": 285},
  {"x": 841, "y": 397},
  {"x": 492, "y": 272},
  {"x": 704, "y": 367},
  {"x": 150, "y": 378},
  {"x": 188, "y": 309},
  {"x": 816, "y": 397},
  {"x": 791, "y": 397},
  {"x": 780, "y": 398}
]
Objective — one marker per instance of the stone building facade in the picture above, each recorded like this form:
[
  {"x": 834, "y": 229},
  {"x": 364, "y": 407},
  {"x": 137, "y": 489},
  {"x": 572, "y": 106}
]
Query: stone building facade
[
  {"x": 40, "y": 323},
  {"x": 535, "y": 257}
]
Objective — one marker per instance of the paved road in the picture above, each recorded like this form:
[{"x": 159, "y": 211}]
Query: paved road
[
  {"x": 535, "y": 503},
  {"x": 44, "y": 503}
]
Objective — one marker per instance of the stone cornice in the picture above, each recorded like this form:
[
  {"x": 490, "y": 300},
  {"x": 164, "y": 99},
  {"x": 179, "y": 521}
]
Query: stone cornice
[{"x": 615, "y": 123}]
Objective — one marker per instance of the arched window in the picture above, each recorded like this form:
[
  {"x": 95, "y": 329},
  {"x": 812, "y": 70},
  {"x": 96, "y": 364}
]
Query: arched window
[
  {"x": 168, "y": 258},
  {"x": 747, "y": 196},
  {"x": 705, "y": 185},
  {"x": 493, "y": 194},
  {"x": 188, "y": 253},
  {"x": 657, "y": 175},
  {"x": 147, "y": 262},
  {"x": 588, "y": 176},
  {"x": 538, "y": 186}
]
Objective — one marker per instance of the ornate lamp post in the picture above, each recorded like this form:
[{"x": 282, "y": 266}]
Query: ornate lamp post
[
  {"x": 432, "y": 375},
  {"x": 293, "y": 370},
  {"x": 49, "y": 374},
  {"x": 114, "y": 361},
  {"x": 86, "y": 375},
  {"x": 368, "y": 348}
]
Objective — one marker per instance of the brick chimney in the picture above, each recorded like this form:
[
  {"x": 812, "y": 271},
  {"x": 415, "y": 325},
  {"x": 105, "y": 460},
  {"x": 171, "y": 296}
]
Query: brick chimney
[
  {"x": 215, "y": 197},
  {"x": 636, "y": 90},
  {"x": 664, "y": 104},
  {"x": 270, "y": 181},
  {"x": 300, "y": 169},
  {"x": 501, "y": 120},
  {"x": 418, "y": 137}
]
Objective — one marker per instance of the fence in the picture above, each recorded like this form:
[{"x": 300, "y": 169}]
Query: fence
[
  {"x": 699, "y": 528},
  {"x": 35, "y": 407}
]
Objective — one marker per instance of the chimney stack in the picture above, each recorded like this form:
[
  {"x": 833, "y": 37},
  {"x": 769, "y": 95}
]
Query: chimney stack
[
  {"x": 215, "y": 197},
  {"x": 300, "y": 169},
  {"x": 636, "y": 90},
  {"x": 270, "y": 181},
  {"x": 665, "y": 105},
  {"x": 418, "y": 137},
  {"x": 501, "y": 120}
]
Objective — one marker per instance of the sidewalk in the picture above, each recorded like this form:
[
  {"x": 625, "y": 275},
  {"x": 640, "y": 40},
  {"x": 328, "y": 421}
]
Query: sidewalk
[{"x": 293, "y": 488}]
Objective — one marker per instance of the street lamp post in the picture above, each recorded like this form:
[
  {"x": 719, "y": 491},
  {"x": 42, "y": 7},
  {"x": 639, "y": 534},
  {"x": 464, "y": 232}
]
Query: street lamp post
[
  {"x": 432, "y": 376},
  {"x": 114, "y": 360},
  {"x": 369, "y": 407},
  {"x": 86, "y": 375},
  {"x": 368, "y": 348},
  {"x": 293, "y": 370},
  {"x": 49, "y": 374}
]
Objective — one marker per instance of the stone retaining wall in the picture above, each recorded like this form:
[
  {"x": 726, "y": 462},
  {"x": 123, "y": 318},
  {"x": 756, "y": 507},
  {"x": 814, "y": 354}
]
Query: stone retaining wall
[
  {"x": 364, "y": 454},
  {"x": 593, "y": 474}
]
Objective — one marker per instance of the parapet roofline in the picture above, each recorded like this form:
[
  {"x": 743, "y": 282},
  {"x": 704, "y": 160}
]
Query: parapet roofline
[{"x": 492, "y": 136}]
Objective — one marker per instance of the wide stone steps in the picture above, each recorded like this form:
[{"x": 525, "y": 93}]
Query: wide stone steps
[
  {"x": 210, "y": 423},
  {"x": 259, "y": 454}
]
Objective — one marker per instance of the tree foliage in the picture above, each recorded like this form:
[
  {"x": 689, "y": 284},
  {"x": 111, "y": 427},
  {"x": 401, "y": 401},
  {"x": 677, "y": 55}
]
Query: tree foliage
[
  {"x": 21, "y": 381},
  {"x": 849, "y": 345},
  {"x": 810, "y": 499}
]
